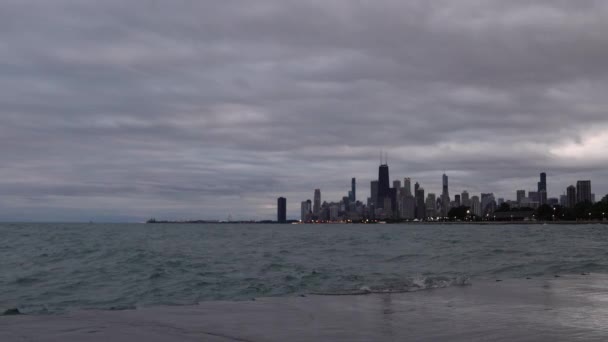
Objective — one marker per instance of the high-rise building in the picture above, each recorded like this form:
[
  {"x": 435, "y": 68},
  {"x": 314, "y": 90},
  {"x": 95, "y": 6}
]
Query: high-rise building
[
  {"x": 583, "y": 191},
  {"x": 563, "y": 200},
  {"x": 521, "y": 194},
  {"x": 457, "y": 200},
  {"x": 305, "y": 210},
  {"x": 383, "y": 185},
  {"x": 542, "y": 197},
  {"x": 488, "y": 203},
  {"x": 534, "y": 196},
  {"x": 475, "y": 206},
  {"x": 407, "y": 186},
  {"x": 431, "y": 201},
  {"x": 445, "y": 197},
  {"x": 542, "y": 185},
  {"x": 353, "y": 190},
  {"x": 316, "y": 209},
  {"x": 397, "y": 185},
  {"x": 408, "y": 208},
  {"x": 571, "y": 195},
  {"x": 420, "y": 203},
  {"x": 374, "y": 192},
  {"x": 281, "y": 210},
  {"x": 465, "y": 200}
]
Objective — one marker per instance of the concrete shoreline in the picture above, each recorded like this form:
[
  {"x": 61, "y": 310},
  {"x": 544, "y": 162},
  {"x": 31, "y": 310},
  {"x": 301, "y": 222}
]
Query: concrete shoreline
[{"x": 568, "y": 308}]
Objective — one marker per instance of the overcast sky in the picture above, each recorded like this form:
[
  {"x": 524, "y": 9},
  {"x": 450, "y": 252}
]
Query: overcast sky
[{"x": 120, "y": 110}]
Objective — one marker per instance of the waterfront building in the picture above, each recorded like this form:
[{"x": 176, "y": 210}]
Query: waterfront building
[
  {"x": 420, "y": 203},
  {"x": 431, "y": 209},
  {"x": 445, "y": 197},
  {"x": 353, "y": 190},
  {"x": 334, "y": 212},
  {"x": 465, "y": 200},
  {"x": 533, "y": 196},
  {"x": 583, "y": 191},
  {"x": 457, "y": 201},
  {"x": 542, "y": 197},
  {"x": 408, "y": 208},
  {"x": 542, "y": 185},
  {"x": 407, "y": 186},
  {"x": 571, "y": 195},
  {"x": 316, "y": 210},
  {"x": 282, "y": 210},
  {"x": 383, "y": 185},
  {"x": 374, "y": 192},
  {"x": 521, "y": 194},
  {"x": 475, "y": 206},
  {"x": 488, "y": 203},
  {"x": 563, "y": 200},
  {"x": 305, "y": 210}
]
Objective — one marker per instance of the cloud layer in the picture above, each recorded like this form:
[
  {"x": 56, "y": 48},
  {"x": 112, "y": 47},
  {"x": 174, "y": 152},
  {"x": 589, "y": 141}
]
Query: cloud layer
[{"x": 116, "y": 110}]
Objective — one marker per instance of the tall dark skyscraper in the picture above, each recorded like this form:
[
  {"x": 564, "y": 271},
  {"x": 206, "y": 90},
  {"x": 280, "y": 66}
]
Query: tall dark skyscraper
[
  {"x": 383, "y": 185},
  {"x": 542, "y": 185},
  {"x": 353, "y": 186},
  {"x": 583, "y": 191},
  {"x": 571, "y": 196},
  {"x": 420, "y": 203},
  {"x": 282, "y": 210},
  {"x": 316, "y": 209}
]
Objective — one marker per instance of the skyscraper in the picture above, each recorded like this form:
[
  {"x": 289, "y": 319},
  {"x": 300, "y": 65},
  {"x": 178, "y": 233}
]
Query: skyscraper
[
  {"x": 374, "y": 192},
  {"x": 475, "y": 206},
  {"x": 465, "y": 200},
  {"x": 542, "y": 185},
  {"x": 383, "y": 185},
  {"x": 521, "y": 194},
  {"x": 571, "y": 196},
  {"x": 305, "y": 210},
  {"x": 583, "y": 191},
  {"x": 431, "y": 202},
  {"x": 407, "y": 186},
  {"x": 317, "y": 203},
  {"x": 445, "y": 197},
  {"x": 420, "y": 203},
  {"x": 281, "y": 210},
  {"x": 353, "y": 190},
  {"x": 457, "y": 200}
]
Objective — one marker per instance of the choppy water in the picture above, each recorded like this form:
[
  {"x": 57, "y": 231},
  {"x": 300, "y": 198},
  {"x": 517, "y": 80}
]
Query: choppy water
[{"x": 57, "y": 267}]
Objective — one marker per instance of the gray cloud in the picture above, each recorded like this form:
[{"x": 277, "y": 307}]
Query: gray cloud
[{"x": 200, "y": 109}]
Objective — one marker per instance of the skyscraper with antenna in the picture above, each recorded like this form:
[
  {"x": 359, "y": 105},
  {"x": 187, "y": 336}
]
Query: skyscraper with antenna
[{"x": 383, "y": 183}]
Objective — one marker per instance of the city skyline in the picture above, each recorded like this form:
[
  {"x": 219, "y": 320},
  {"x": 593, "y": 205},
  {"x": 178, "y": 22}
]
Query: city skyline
[
  {"x": 190, "y": 109},
  {"x": 478, "y": 202}
]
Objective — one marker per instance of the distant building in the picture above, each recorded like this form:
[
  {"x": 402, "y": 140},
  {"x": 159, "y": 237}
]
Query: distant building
[
  {"x": 353, "y": 190},
  {"x": 553, "y": 201},
  {"x": 374, "y": 192},
  {"x": 445, "y": 197},
  {"x": 488, "y": 203},
  {"x": 305, "y": 211},
  {"x": 533, "y": 196},
  {"x": 408, "y": 207},
  {"x": 583, "y": 191},
  {"x": 563, "y": 200},
  {"x": 281, "y": 210},
  {"x": 420, "y": 203},
  {"x": 542, "y": 197},
  {"x": 383, "y": 185},
  {"x": 571, "y": 195},
  {"x": 334, "y": 212},
  {"x": 431, "y": 210},
  {"x": 316, "y": 210},
  {"x": 457, "y": 200},
  {"x": 521, "y": 194},
  {"x": 407, "y": 186},
  {"x": 465, "y": 200},
  {"x": 542, "y": 185},
  {"x": 475, "y": 206}
]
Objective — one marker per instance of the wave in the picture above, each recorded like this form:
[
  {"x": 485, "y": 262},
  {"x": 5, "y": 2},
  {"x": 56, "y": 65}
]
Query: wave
[{"x": 410, "y": 285}]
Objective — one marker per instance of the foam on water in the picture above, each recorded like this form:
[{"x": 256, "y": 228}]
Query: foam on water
[{"x": 49, "y": 268}]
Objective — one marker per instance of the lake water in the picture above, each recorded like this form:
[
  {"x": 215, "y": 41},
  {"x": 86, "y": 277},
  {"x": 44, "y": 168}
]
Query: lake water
[{"x": 54, "y": 268}]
